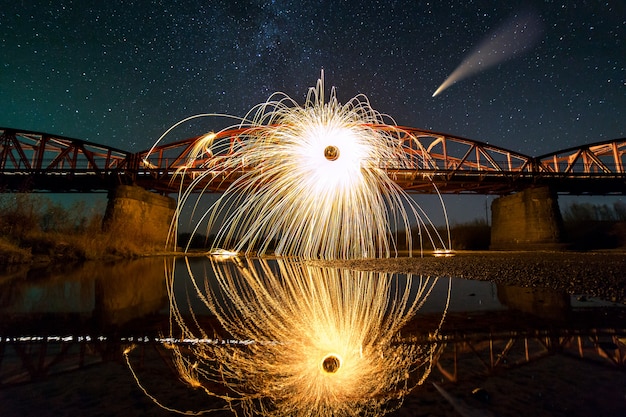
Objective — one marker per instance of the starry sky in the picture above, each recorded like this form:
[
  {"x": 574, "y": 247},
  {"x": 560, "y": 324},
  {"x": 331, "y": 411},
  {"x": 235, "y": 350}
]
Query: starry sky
[{"x": 120, "y": 73}]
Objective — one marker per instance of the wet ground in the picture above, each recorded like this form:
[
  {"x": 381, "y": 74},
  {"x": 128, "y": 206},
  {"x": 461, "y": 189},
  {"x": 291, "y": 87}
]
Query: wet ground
[
  {"x": 554, "y": 386},
  {"x": 548, "y": 355},
  {"x": 601, "y": 274}
]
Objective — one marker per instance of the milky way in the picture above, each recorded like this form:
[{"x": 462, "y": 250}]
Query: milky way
[{"x": 120, "y": 74}]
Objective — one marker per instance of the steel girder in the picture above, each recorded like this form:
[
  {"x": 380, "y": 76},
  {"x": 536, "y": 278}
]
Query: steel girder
[
  {"x": 430, "y": 162},
  {"x": 42, "y": 162}
]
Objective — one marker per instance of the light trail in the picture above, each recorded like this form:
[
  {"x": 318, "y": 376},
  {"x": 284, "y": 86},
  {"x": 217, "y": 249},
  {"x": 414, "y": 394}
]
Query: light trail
[
  {"x": 518, "y": 34},
  {"x": 313, "y": 182},
  {"x": 326, "y": 341}
]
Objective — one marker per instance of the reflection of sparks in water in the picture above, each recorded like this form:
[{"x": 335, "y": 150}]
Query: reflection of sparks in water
[
  {"x": 314, "y": 183},
  {"x": 323, "y": 341}
]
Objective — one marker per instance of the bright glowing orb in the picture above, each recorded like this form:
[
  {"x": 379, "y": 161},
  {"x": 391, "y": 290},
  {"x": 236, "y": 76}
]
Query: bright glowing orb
[
  {"x": 331, "y": 153},
  {"x": 312, "y": 181},
  {"x": 331, "y": 364}
]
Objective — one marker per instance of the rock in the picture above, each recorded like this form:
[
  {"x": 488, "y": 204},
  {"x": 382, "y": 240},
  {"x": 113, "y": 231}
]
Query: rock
[{"x": 481, "y": 395}]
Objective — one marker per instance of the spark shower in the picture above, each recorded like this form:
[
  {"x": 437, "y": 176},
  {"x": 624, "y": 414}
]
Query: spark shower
[
  {"x": 311, "y": 184},
  {"x": 318, "y": 341}
]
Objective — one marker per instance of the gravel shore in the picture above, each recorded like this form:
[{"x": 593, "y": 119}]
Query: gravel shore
[{"x": 598, "y": 274}]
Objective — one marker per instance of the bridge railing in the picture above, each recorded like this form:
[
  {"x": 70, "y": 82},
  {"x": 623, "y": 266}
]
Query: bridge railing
[
  {"x": 30, "y": 151},
  {"x": 429, "y": 162},
  {"x": 607, "y": 157}
]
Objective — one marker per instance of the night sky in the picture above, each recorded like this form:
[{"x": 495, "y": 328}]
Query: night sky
[{"x": 120, "y": 73}]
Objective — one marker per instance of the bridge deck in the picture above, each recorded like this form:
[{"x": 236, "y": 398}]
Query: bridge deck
[{"x": 432, "y": 162}]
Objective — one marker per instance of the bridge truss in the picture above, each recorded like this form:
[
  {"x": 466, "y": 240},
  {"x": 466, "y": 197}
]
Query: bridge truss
[
  {"x": 460, "y": 354},
  {"x": 431, "y": 162},
  {"x": 33, "y": 161}
]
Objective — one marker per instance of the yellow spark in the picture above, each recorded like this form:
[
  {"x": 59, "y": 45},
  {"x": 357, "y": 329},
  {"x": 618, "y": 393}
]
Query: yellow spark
[
  {"x": 222, "y": 254},
  {"x": 326, "y": 341},
  {"x": 314, "y": 183},
  {"x": 444, "y": 253}
]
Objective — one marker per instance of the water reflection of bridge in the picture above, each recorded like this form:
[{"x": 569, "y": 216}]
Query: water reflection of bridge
[
  {"x": 513, "y": 340},
  {"x": 64, "y": 320},
  {"x": 495, "y": 342}
]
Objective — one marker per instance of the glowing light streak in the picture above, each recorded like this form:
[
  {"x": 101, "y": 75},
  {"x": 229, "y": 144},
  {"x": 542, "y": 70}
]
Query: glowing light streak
[
  {"x": 222, "y": 254},
  {"x": 444, "y": 253},
  {"x": 512, "y": 38},
  {"x": 313, "y": 182},
  {"x": 326, "y": 341}
]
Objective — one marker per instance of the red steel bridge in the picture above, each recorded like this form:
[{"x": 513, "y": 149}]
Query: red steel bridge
[{"x": 41, "y": 162}]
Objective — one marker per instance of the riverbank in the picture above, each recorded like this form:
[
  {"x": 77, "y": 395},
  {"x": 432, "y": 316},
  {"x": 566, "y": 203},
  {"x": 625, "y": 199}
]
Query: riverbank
[
  {"x": 595, "y": 273},
  {"x": 50, "y": 249},
  {"x": 37, "y": 231},
  {"x": 599, "y": 274}
]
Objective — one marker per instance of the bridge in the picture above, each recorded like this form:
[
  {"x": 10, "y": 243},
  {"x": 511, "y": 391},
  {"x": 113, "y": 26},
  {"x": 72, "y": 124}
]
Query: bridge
[
  {"x": 41, "y": 162},
  {"x": 526, "y": 215}
]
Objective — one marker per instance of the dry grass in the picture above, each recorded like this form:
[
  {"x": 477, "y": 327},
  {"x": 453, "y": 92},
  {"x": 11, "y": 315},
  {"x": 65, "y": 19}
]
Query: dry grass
[
  {"x": 33, "y": 228},
  {"x": 12, "y": 253}
]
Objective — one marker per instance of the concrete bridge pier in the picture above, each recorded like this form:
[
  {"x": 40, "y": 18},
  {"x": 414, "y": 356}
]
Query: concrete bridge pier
[
  {"x": 139, "y": 217},
  {"x": 528, "y": 220}
]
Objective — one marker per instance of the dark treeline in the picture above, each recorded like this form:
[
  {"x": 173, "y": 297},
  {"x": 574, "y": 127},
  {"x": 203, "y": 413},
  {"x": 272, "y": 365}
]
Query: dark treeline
[
  {"x": 586, "y": 227},
  {"x": 33, "y": 227},
  {"x": 473, "y": 235},
  {"x": 595, "y": 226},
  {"x": 196, "y": 241},
  {"x": 583, "y": 212}
]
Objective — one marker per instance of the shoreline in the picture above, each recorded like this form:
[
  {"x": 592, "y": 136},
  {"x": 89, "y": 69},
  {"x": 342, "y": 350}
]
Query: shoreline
[
  {"x": 594, "y": 273},
  {"x": 599, "y": 274}
]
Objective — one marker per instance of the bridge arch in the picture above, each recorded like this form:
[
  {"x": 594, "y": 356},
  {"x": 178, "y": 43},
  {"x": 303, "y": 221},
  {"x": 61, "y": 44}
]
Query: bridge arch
[
  {"x": 39, "y": 161},
  {"x": 607, "y": 157}
]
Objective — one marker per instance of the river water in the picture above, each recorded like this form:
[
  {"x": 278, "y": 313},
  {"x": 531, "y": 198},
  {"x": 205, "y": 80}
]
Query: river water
[{"x": 63, "y": 330}]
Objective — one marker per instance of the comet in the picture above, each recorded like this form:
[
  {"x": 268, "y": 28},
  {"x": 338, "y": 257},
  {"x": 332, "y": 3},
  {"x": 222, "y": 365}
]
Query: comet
[{"x": 515, "y": 36}]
